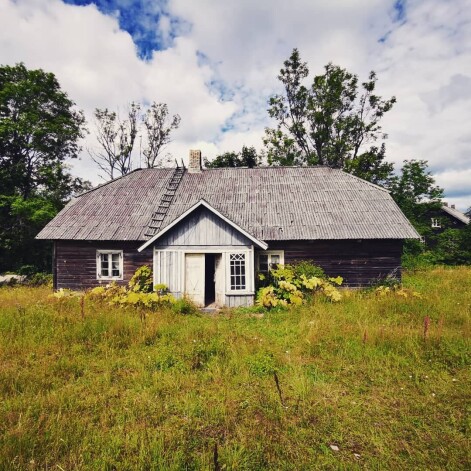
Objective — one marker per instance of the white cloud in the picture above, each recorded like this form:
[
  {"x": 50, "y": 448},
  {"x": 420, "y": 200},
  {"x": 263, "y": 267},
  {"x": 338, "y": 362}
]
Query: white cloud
[{"x": 425, "y": 61}]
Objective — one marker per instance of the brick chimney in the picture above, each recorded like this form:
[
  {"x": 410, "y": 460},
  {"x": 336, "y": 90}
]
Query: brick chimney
[
  {"x": 194, "y": 165},
  {"x": 452, "y": 206},
  {"x": 445, "y": 203}
]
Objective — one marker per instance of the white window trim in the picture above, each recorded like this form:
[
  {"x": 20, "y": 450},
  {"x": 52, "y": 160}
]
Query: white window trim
[
  {"x": 98, "y": 265},
  {"x": 249, "y": 273},
  {"x": 436, "y": 223},
  {"x": 280, "y": 253}
]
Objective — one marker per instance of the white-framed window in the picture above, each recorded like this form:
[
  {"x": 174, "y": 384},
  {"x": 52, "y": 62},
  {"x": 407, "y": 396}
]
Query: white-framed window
[
  {"x": 237, "y": 271},
  {"x": 109, "y": 264},
  {"x": 436, "y": 223},
  {"x": 269, "y": 259}
]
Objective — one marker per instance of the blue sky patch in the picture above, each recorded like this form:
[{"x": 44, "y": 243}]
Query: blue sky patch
[
  {"x": 150, "y": 24},
  {"x": 400, "y": 10}
]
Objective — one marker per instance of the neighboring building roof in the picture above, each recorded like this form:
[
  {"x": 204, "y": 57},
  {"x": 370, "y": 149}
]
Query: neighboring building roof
[
  {"x": 270, "y": 203},
  {"x": 456, "y": 214}
]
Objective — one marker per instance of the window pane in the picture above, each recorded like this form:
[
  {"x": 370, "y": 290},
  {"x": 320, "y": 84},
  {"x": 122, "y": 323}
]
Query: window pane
[
  {"x": 115, "y": 264},
  {"x": 104, "y": 264},
  {"x": 263, "y": 263},
  {"x": 237, "y": 268},
  {"x": 110, "y": 264},
  {"x": 275, "y": 260}
]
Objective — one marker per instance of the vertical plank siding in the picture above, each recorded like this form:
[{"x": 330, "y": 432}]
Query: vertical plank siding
[
  {"x": 203, "y": 228},
  {"x": 240, "y": 300},
  {"x": 168, "y": 268},
  {"x": 360, "y": 263},
  {"x": 75, "y": 262}
]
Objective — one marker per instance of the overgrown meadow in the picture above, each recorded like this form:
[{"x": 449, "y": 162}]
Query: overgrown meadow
[{"x": 373, "y": 382}]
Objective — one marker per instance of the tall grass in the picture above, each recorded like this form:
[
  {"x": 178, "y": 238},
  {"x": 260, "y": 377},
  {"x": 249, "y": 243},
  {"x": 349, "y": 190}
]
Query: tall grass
[{"x": 118, "y": 390}]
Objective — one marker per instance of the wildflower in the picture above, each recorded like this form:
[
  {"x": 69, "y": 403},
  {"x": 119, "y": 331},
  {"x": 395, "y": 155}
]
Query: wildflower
[
  {"x": 433, "y": 394},
  {"x": 454, "y": 380}
]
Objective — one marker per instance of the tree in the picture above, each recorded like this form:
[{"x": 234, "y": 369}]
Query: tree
[
  {"x": 334, "y": 122},
  {"x": 468, "y": 212},
  {"x": 158, "y": 127},
  {"x": 116, "y": 138},
  {"x": 39, "y": 130},
  {"x": 247, "y": 157},
  {"x": 415, "y": 192}
]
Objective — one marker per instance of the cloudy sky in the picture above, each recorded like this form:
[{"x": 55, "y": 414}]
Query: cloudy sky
[{"x": 215, "y": 63}]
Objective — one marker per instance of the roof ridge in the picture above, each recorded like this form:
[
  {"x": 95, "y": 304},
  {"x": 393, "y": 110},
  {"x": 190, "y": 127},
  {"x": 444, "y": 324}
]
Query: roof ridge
[
  {"x": 378, "y": 187},
  {"x": 456, "y": 213},
  {"x": 107, "y": 183}
]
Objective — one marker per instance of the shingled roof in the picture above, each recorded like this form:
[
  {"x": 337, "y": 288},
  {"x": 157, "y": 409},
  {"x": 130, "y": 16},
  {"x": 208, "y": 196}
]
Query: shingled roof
[
  {"x": 272, "y": 203},
  {"x": 456, "y": 214}
]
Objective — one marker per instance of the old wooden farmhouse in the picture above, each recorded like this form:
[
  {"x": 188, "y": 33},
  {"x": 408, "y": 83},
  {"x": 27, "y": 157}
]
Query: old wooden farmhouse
[{"x": 207, "y": 233}]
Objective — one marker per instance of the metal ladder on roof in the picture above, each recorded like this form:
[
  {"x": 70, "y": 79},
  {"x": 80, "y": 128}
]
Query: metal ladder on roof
[{"x": 159, "y": 215}]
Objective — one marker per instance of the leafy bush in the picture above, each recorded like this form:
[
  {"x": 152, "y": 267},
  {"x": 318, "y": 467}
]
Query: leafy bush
[
  {"x": 141, "y": 281},
  {"x": 307, "y": 268},
  {"x": 27, "y": 270},
  {"x": 288, "y": 287},
  {"x": 398, "y": 290},
  {"x": 139, "y": 292},
  {"x": 184, "y": 306},
  {"x": 40, "y": 279}
]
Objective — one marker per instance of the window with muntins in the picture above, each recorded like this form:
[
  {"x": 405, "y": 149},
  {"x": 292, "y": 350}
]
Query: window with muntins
[
  {"x": 436, "y": 223},
  {"x": 269, "y": 260},
  {"x": 237, "y": 267},
  {"x": 110, "y": 265}
]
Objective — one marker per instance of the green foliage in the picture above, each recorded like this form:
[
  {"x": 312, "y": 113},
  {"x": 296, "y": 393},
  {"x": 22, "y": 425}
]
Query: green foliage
[
  {"x": 262, "y": 364},
  {"x": 307, "y": 268},
  {"x": 247, "y": 157},
  {"x": 116, "y": 295},
  {"x": 39, "y": 131},
  {"x": 184, "y": 306},
  {"x": 138, "y": 294},
  {"x": 329, "y": 122},
  {"x": 453, "y": 246},
  {"x": 290, "y": 286},
  {"x": 141, "y": 281},
  {"x": 415, "y": 192},
  {"x": 40, "y": 279}
]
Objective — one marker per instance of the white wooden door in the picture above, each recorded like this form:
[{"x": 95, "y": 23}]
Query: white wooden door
[
  {"x": 194, "y": 277},
  {"x": 219, "y": 279}
]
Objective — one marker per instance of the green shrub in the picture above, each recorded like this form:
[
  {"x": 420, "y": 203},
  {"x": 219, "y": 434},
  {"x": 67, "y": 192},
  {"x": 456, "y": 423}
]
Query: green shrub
[
  {"x": 307, "y": 268},
  {"x": 288, "y": 287},
  {"x": 141, "y": 281},
  {"x": 184, "y": 306},
  {"x": 27, "y": 270},
  {"x": 138, "y": 294},
  {"x": 40, "y": 279}
]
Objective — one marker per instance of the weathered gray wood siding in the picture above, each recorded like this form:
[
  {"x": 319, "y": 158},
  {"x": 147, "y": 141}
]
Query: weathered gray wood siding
[
  {"x": 360, "y": 263},
  {"x": 168, "y": 269},
  {"x": 75, "y": 262},
  {"x": 238, "y": 300},
  {"x": 203, "y": 228}
]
